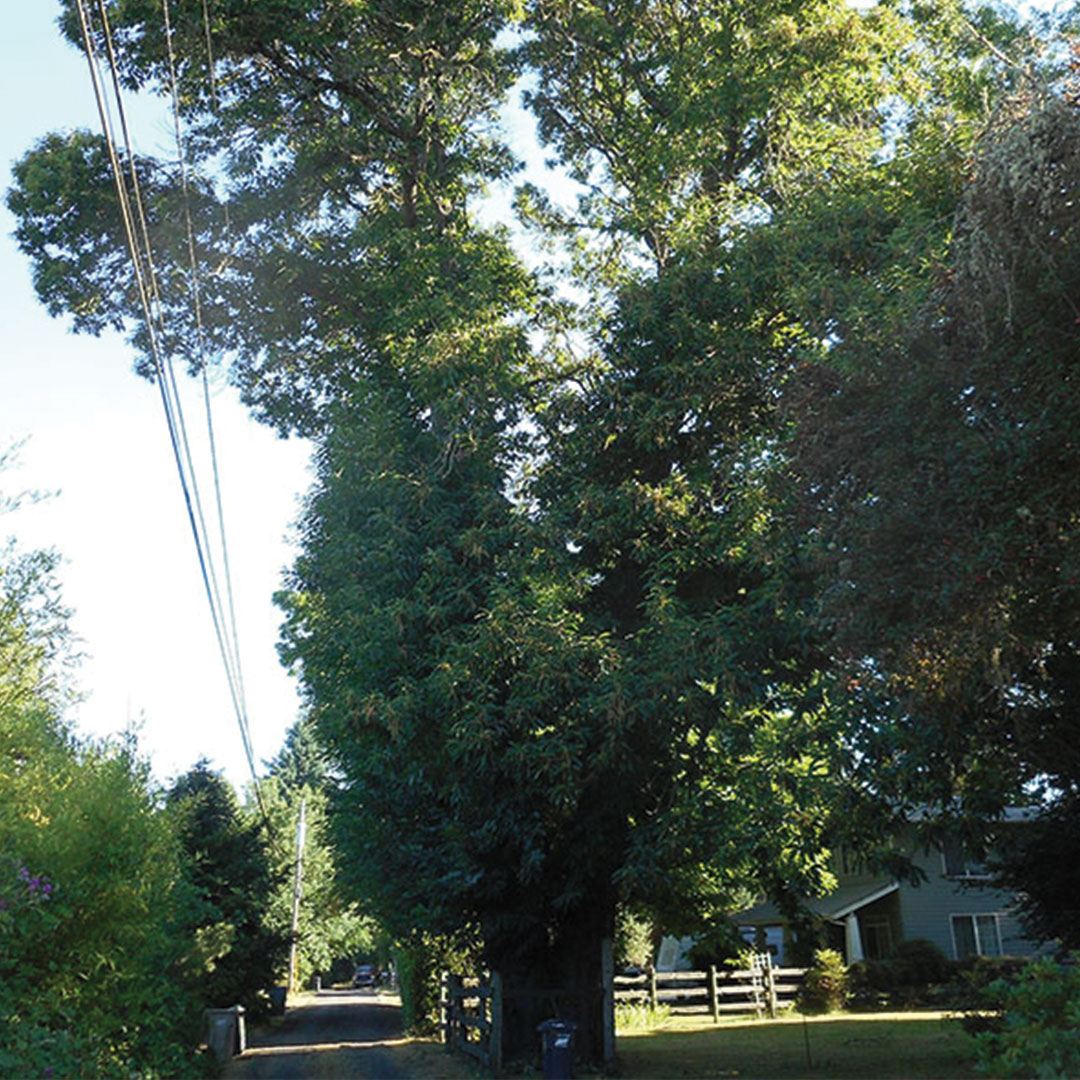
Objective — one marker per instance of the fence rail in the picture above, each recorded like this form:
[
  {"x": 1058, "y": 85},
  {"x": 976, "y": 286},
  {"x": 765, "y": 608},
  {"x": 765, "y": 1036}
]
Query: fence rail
[{"x": 761, "y": 989}]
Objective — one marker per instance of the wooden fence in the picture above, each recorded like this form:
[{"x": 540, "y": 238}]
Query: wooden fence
[
  {"x": 471, "y": 1012},
  {"x": 472, "y": 1008},
  {"x": 761, "y": 989}
]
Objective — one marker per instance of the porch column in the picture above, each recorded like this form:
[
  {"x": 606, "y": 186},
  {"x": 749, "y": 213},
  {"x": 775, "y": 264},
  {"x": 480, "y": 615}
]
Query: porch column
[{"x": 853, "y": 939}]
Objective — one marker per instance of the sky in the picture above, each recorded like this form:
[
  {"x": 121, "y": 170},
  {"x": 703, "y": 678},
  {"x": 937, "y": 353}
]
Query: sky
[{"x": 95, "y": 434}]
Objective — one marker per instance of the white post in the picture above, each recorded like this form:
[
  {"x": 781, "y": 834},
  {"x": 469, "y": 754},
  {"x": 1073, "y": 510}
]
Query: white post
[
  {"x": 301, "y": 832},
  {"x": 853, "y": 939}
]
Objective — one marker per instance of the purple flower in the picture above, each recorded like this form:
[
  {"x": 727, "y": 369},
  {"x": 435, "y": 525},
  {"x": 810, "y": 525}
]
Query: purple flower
[
  {"x": 34, "y": 884},
  {"x": 46, "y": 890},
  {"x": 24, "y": 874},
  {"x": 3, "y": 903}
]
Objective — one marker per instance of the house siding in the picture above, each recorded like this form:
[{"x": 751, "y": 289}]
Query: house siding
[
  {"x": 923, "y": 910},
  {"x": 927, "y": 908}
]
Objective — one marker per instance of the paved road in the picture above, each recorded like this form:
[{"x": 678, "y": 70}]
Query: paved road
[{"x": 332, "y": 1034}]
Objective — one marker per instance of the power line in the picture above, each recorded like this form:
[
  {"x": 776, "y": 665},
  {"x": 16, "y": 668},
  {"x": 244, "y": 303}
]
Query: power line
[
  {"x": 166, "y": 366},
  {"x": 201, "y": 343},
  {"x": 209, "y": 56},
  {"x": 137, "y": 235}
]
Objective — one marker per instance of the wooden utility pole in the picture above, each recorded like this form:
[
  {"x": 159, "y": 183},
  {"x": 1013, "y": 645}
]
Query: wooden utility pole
[{"x": 301, "y": 832}]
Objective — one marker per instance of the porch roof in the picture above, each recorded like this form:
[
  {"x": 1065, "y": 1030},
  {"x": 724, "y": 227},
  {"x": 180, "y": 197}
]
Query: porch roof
[{"x": 832, "y": 908}]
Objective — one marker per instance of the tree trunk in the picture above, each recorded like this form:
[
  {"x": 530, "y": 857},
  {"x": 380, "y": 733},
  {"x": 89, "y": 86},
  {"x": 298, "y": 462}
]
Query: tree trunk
[{"x": 562, "y": 978}]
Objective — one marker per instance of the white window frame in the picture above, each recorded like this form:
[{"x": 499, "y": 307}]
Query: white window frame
[{"x": 975, "y": 916}]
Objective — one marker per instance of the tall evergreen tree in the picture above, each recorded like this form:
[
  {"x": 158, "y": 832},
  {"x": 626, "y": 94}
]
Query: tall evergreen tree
[
  {"x": 301, "y": 763},
  {"x": 227, "y": 865}
]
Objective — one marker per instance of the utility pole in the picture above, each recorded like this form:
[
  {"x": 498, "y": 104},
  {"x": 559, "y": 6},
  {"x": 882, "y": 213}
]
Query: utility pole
[{"x": 301, "y": 832}]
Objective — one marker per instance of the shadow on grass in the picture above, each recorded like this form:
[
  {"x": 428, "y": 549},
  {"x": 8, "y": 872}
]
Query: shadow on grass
[
  {"x": 422, "y": 1059},
  {"x": 894, "y": 1046}
]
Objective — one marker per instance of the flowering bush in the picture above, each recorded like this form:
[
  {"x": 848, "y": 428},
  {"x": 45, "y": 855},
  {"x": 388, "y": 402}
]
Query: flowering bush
[
  {"x": 26, "y": 891},
  {"x": 92, "y": 899}
]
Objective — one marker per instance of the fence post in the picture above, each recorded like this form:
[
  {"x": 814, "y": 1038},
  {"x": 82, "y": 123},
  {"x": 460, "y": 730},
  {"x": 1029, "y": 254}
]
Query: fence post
[
  {"x": 607, "y": 976},
  {"x": 770, "y": 986},
  {"x": 714, "y": 995},
  {"x": 756, "y": 984},
  {"x": 455, "y": 984},
  {"x": 653, "y": 998},
  {"x": 444, "y": 1009}
]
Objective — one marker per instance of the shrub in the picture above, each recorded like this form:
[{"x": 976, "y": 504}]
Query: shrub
[
  {"x": 90, "y": 875},
  {"x": 633, "y": 941},
  {"x": 904, "y": 979},
  {"x": 877, "y": 975},
  {"x": 918, "y": 962},
  {"x": 1035, "y": 1033},
  {"x": 419, "y": 970},
  {"x": 420, "y": 962},
  {"x": 825, "y": 988},
  {"x": 870, "y": 984},
  {"x": 90, "y": 889},
  {"x": 979, "y": 972}
]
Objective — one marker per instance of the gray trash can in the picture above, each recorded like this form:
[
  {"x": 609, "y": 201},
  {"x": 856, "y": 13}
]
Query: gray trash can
[
  {"x": 557, "y": 1038},
  {"x": 225, "y": 1034},
  {"x": 277, "y": 1000}
]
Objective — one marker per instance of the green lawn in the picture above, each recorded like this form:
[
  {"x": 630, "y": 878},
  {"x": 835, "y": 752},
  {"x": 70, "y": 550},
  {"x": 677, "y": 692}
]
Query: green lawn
[{"x": 881, "y": 1045}]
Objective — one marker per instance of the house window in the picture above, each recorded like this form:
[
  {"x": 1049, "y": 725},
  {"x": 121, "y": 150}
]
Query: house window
[
  {"x": 976, "y": 935},
  {"x": 877, "y": 938},
  {"x": 960, "y": 863}
]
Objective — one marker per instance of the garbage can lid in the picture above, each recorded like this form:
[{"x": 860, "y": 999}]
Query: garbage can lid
[{"x": 556, "y": 1024}]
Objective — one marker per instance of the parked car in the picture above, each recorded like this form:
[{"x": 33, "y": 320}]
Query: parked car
[{"x": 365, "y": 975}]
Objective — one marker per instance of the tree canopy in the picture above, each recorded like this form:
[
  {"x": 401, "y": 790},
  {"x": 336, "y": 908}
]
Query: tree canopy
[{"x": 630, "y": 581}]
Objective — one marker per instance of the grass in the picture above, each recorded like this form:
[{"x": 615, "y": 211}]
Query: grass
[
  {"x": 843, "y": 1046},
  {"x": 904, "y": 1046},
  {"x": 886, "y": 1046}
]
